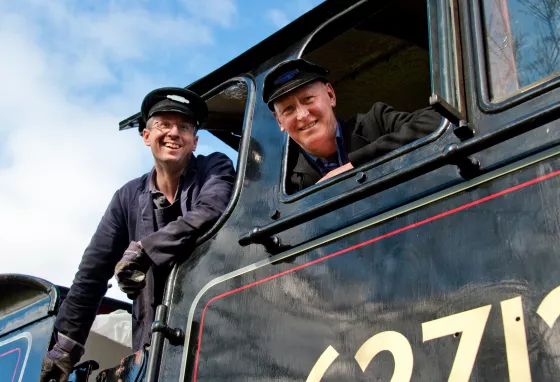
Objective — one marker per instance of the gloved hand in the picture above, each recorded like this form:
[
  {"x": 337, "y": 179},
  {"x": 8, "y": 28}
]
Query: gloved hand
[
  {"x": 130, "y": 271},
  {"x": 59, "y": 361}
]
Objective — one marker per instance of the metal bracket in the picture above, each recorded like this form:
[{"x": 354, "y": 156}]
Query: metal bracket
[
  {"x": 461, "y": 129},
  {"x": 175, "y": 336},
  {"x": 271, "y": 244},
  {"x": 449, "y": 112},
  {"x": 469, "y": 167}
]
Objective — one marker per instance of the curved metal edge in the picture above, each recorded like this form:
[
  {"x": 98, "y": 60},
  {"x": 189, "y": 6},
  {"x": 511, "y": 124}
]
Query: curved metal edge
[
  {"x": 552, "y": 152},
  {"x": 482, "y": 83},
  {"x": 243, "y": 151},
  {"x": 40, "y": 284},
  {"x": 310, "y": 37}
]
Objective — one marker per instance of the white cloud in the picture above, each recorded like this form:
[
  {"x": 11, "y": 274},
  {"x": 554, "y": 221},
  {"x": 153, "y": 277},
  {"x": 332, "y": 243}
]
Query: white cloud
[
  {"x": 68, "y": 76},
  {"x": 221, "y": 12},
  {"x": 277, "y": 17}
]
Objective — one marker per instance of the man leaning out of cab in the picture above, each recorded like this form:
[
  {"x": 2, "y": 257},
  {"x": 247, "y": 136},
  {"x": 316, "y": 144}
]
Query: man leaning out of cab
[
  {"x": 302, "y": 101},
  {"x": 151, "y": 221}
]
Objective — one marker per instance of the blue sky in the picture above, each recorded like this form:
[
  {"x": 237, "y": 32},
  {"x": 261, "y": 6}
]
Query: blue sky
[{"x": 71, "y": 70}]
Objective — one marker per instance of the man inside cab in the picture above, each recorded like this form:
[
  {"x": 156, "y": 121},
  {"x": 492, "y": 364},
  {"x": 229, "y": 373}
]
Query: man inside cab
[
  {"x": 151, "y": 222},
  {"x": 302, "y": 101}
]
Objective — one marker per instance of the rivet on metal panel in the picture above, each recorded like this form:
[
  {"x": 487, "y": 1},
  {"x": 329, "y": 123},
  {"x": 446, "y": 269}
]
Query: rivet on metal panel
[{"x": 361, "y": 177}]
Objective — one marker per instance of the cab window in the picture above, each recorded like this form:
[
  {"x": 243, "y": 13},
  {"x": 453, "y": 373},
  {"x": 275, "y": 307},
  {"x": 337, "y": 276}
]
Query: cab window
[
  {"x": 226, "y": 114},
  {"x": 522, "y": 44},
  {"x": 372, "y": 59}
]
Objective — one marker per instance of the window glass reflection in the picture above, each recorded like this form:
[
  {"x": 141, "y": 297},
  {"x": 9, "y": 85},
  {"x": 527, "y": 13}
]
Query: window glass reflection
[{"x": 522, "y": 43}]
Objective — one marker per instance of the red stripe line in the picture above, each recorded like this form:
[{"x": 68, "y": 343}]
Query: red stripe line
[
  {"x": 17, "y": 362},
  {"x": 378, "y": 238}
]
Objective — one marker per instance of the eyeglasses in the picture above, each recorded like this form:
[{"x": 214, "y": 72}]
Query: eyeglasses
[{"x": 165, "y": 126}]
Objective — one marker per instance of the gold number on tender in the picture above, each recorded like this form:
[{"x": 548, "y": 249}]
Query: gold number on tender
[
  {"x": 393, "y": 342},
  {"x": 516, "y": 342},
  {"x": 471, "y": 323},
  {"x": 325, "y": 360},
  {"x": 399, "y": 347},
  {"x": 549, "y": 309}
]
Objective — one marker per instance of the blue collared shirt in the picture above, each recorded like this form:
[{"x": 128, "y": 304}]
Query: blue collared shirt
[{"x": 326, "y": 165}]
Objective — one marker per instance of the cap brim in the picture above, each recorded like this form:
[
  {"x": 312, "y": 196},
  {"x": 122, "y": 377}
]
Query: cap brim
[{"x": 291, "y": 85}]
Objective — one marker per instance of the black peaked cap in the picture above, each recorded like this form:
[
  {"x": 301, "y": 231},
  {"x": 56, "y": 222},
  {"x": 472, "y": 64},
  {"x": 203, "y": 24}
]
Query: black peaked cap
[
  {"x": 290, "y": 75},
  {"x": 178, "y": 100}
]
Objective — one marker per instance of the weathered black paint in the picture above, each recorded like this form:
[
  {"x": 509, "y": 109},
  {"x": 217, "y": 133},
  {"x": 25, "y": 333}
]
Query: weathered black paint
[
  {"x": 496, "y": 250},
  {"x": 279, "y": 328}
]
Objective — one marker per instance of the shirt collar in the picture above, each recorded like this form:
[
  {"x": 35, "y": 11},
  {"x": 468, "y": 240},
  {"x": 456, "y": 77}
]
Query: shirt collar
[
  {"x": 342, "y": 156},
  {"x": 153, "y": 174}
]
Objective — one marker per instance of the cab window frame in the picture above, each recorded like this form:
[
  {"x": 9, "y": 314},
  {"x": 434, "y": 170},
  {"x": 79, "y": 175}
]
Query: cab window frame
[
  {"x": 243, "y": 150},
  {"x": 437, "y": 82},
  {"x": 486, "y": 104}
]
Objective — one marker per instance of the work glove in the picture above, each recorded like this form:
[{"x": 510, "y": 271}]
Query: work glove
[
  {"x": 130, "y": 271},
  {"x": 59, "y": 361}
]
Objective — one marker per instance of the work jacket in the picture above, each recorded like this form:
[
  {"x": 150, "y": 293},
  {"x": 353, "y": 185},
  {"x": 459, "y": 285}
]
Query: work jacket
[{"x": 204, "y": 195}]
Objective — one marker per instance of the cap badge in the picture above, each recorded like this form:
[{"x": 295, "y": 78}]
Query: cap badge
[
  {"x": 283, "y": 78},
  {"x": 178, "y": 98}
]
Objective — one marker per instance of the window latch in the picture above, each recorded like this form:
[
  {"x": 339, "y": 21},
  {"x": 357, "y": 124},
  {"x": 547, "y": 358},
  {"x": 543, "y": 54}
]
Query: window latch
[
  {"x": 461, "y": 127},
  {"x": 449, "y": 112}
]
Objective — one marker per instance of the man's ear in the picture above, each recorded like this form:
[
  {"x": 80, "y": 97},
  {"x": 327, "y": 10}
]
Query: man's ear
[
  {"x": 195, "y": 142},
  {"x": 331, "y": 94},
  {"x": 278, "y": 121},
  {"x": 146, "y": 136}
]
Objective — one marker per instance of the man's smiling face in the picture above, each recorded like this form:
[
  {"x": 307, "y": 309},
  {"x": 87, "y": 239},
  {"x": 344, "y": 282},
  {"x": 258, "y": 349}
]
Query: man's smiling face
[
  {"x": 172, "y": 138},
  {"x": 306, "y": 113}
]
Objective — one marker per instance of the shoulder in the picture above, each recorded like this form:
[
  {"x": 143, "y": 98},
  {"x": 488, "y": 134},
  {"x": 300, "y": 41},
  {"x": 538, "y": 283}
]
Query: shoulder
[
  {"x": 133, "y": 186},
  {"x": 377, "y": 110},
  {"x": 204, "y": 162},
  {"x": 215, "y": 156}
]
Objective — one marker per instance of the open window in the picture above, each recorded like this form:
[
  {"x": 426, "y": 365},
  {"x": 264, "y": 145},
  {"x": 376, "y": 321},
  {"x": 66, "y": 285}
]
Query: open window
[
  {"x": 226, "y": 112},
  {"x": 229, "y": 105},
  {"x": 383, "y": 57}
]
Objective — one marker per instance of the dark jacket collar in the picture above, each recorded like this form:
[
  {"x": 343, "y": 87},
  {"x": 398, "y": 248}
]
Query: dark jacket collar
[{"x": 145, "y": 199}]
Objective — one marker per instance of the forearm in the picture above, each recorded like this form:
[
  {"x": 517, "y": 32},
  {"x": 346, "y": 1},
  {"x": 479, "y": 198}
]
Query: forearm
[
  {"x": 80, "y": 306},
  {"x": 78, "y": 311},
  {"x": 179, "y": 237},
  {"x": 399, "y": 129}
]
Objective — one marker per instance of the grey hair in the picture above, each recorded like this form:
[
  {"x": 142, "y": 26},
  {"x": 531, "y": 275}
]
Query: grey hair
[{"x": 149, "y": 123}]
